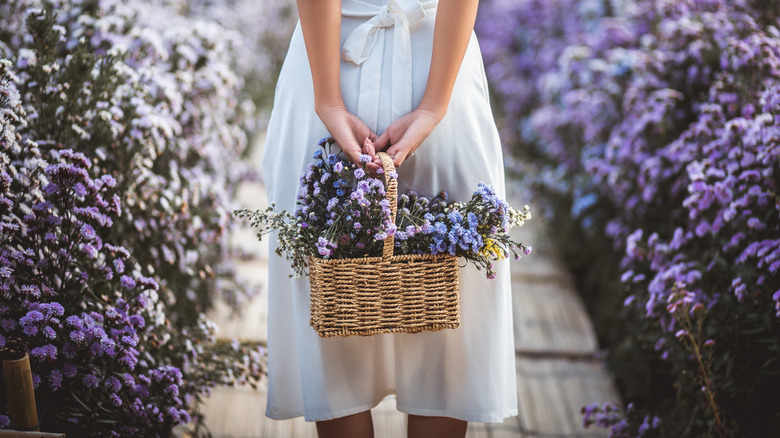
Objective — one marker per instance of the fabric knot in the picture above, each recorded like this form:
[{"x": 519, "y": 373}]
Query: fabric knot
[
  {"x": 361, "y": 41},
  {"x": 384, "y": 18}
]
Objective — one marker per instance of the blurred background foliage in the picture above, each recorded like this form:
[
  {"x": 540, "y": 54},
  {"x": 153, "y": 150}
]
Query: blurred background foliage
[{"x": 648, "y": 132}]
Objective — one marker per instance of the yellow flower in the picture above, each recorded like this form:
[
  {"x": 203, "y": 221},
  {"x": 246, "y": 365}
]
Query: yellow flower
[{"x": 491, "y": 249}]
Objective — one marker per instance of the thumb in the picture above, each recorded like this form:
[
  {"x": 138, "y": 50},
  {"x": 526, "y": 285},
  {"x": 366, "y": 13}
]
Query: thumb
[
  {"x": 398, "y": 153},
  {"x": 383, "y": 141}
]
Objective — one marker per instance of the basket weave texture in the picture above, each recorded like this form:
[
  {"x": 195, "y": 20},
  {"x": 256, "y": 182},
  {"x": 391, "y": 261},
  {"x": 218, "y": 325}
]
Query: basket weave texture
[{"x": 388, "y": 294}]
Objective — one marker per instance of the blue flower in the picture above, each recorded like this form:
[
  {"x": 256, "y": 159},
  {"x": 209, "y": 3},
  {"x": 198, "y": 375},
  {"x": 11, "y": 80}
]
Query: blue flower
[{"x": 472, "y": 219}]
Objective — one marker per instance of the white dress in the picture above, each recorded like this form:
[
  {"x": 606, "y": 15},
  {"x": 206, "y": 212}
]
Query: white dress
[{"x": 466, "y": 373}]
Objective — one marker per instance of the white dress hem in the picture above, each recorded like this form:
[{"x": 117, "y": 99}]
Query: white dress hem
[{"x": 470, "y": 417}]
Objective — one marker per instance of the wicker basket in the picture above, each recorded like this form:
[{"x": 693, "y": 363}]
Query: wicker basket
[{"x": 388, "y": 294}]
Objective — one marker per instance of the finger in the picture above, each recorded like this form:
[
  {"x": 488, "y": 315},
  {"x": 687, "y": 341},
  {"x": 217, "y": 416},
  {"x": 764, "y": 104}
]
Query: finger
[
  {"x": 382, "y": 142},
  {"x": 397, "y": 154},
  {"x": 368, "y": 148},
  {"x": 373, "y": 168},
  {"x": 352, "y": 151}
]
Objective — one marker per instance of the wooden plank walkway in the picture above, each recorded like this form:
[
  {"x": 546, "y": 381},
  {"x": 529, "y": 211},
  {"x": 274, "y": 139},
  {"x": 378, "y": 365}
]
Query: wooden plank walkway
[{"x": 557, "y": 367}]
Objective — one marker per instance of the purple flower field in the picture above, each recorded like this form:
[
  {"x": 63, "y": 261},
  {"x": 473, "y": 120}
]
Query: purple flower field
[
  {"x": 650, "y": 133},
  {"x": 123, "y": 129}
]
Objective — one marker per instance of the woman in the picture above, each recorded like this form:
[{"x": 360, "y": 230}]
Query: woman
[{"x": 404, "y": 76}]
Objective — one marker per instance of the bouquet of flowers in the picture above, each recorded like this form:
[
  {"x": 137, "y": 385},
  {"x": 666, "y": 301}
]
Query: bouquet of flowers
[{"x": 342, "y": 212}]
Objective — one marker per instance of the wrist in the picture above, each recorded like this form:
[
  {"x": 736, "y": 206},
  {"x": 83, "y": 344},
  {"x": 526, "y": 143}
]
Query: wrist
[
  {"x": 436, "y": 110},
  {"x": 327, "y": 106}
]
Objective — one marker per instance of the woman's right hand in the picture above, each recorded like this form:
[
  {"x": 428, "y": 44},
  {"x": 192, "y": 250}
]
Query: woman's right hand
[{"x": 350, "y": 133}]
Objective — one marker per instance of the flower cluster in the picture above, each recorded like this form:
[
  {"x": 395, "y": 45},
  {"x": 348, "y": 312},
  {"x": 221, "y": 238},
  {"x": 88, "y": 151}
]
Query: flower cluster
[
  {"x": 115, "y": 146},
  {"x": 344, "y": 213},
  {"x": 343, "y": 209},
  {"x": 75, "y": 300},
  {"x": 653, "y": 127},
  {"x": 168, "y": 126},
  {"x": 261, "y": 28},
  {"x": 609, "y": 415},
  {"x": 477, "y": 230}
]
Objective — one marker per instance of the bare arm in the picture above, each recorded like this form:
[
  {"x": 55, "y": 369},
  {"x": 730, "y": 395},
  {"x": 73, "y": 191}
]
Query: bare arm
[
  {"x": 454, "y": 24},
  {"x": 452, "y": 31},
  {"x": 321, "y": 26}
]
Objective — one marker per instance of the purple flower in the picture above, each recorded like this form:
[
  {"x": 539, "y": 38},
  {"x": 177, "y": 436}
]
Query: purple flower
[
  {"x": 77, "y": 336},
  {"x": 55, "y": 379},
  {"x": 359, "y": 173},
  {"x": 88, "y": 232},
  {"x": 69, "y": 369},
  {"x": 31, "y": 317},
  {"x": 119, "y": 265},
  {"x": 113, "y": 384},
  {"x": 46, "y": 352},
  {"x": 91, "y": 380},
  {"x": 127, "y": 282}
]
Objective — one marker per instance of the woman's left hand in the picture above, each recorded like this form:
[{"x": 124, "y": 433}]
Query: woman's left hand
[{"x": 407, "y": 133}]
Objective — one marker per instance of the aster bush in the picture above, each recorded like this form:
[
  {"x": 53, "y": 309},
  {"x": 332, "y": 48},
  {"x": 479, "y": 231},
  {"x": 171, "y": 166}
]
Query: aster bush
[
  {"x": 167, "y": 127},
  {"x": 651, "y": 129},
  {"x": 343, "y": 212},
  {"x": 264, "y": 28},
  {"x": 112, "y": 181}
]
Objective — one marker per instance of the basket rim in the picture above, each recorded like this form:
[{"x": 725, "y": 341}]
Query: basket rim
[{"x": 376, "y": 259}]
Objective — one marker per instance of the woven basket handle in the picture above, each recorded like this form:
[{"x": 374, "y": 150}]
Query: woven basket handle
[{"x": 391, "y": 193}]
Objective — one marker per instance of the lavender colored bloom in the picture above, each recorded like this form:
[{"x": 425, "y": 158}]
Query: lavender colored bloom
[
  {"x": 127, "y": 282},
  {"x": 7, "y": 324},
  {"x": 55, "y": 379},
  {"x": 69, "y": 369},
  {"x": 115, "y": 400},
  {"x": 91, "y": 381}
]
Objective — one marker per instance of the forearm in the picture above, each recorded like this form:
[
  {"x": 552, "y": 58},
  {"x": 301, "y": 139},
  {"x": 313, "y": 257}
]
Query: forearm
[
  {"x": 321, "y": 26},
  {"x": 451, "y": 35}
]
